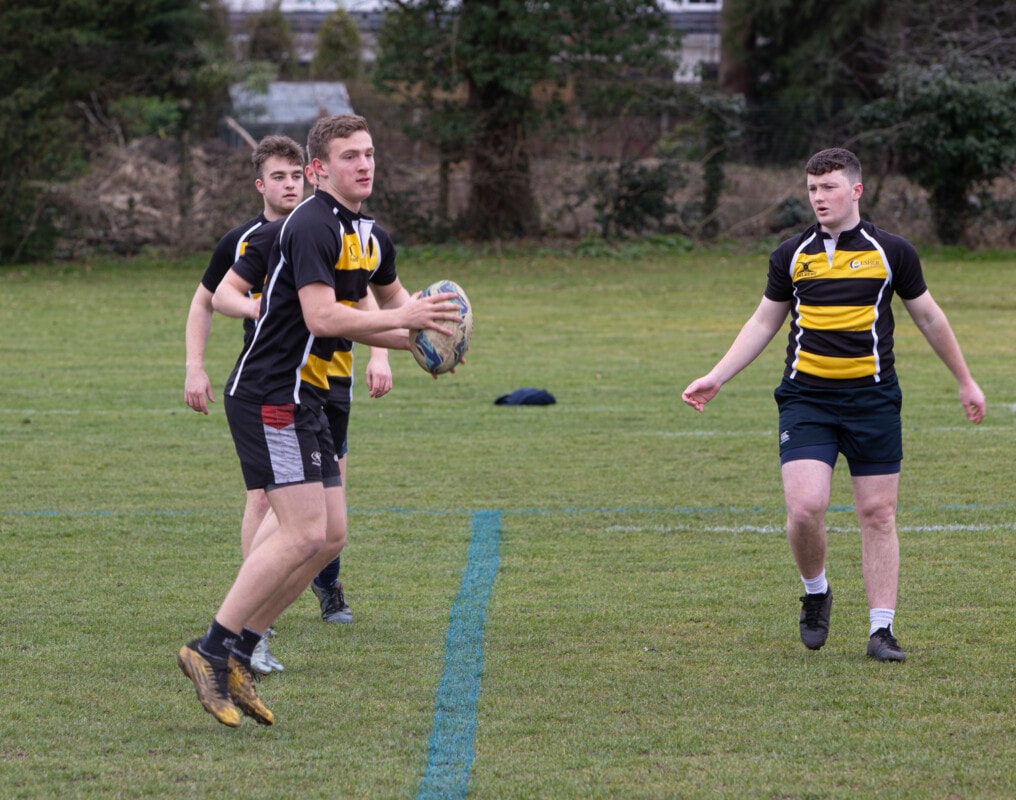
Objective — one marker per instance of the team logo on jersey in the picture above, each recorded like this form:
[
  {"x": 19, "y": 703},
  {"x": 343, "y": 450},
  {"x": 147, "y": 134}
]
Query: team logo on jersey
[
  {"x": 804, "y": 270},
  {"x": 860, "y": 263}
]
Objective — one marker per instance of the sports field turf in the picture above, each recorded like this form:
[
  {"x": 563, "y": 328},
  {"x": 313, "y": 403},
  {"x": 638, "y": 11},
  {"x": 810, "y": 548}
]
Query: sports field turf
[{"x": 593, "y": 599}]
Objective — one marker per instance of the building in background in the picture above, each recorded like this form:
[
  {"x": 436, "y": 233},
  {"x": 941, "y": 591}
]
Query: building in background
[
  {"x": 288, "y": 107},
  {"x": 699, "y": 24},
  {"x": 697, "y": 20},
  {"x": 305, "y": 17}
]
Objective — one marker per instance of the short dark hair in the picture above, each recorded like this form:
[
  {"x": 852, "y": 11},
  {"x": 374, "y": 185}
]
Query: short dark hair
[
  {"x": 281, "y": 146},
  {"x": 336, "y": 126},
  {"x": 833, "y": 159}
]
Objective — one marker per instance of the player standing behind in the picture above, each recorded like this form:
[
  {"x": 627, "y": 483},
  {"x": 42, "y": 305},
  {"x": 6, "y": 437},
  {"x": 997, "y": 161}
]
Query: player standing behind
[
  {"x": 278, "y": 177},
  {"x": 840, "y": 392},
  {"x": 275, "y": 404},
  {"x": 326, "y": 586},
  {"x": 279, "y": 171}
]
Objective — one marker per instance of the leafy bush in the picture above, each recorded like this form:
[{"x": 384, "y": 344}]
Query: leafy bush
[{"x": 631, "y": 196}]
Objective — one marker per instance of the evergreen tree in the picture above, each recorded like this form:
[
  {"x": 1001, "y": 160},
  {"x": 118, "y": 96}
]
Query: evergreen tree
[
  {"x": 337, "y": 56},
  {"x": 947, "y": 118},
  {"x": 271, "y": 40},
  {"x": 489, "y": 74},
  {"x": 77, "y": 74},
  {"x": 805, "y": 69}
]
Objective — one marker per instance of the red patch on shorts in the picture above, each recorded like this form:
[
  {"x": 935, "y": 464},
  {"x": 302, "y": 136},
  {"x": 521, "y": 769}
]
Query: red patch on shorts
[{"x": 278, "y": 417}]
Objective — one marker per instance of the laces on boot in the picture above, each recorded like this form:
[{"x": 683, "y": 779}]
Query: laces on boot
[{"x": 812, "y": 604}]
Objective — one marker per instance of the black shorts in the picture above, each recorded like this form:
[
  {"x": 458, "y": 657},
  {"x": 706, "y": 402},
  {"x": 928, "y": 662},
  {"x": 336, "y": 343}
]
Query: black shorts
[
  {"x": 338, "y": 422},
  {"x": 862, "y": 423},
  {"x": 282, "y": 445}
]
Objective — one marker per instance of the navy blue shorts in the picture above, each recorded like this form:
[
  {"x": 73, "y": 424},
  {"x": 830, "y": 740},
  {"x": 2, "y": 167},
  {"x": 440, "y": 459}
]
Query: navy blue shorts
[
  {"x": 862, "y": 423},
  {"x": 338, "y": 422},
  {"x": 282, "y": 445}
]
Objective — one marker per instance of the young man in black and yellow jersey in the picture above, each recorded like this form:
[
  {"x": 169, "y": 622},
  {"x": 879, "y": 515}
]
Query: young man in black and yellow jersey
[
  {"x": 279, "y": 178},
  {"x": 368, "y": 258},
  {"x": 279, "y": 173},
  {"x": 839, "y": 392},
  {"x": 275, "y": 404}
]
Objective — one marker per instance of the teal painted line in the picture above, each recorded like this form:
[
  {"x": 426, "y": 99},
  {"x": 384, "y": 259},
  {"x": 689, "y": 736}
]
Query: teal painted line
[{"x": 450, "y": 758}]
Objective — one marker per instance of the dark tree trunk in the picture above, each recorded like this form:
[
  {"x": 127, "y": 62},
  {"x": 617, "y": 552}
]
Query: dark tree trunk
[
  {"x": 950, "y": 211},
  {"x": 501, "y": 200}
]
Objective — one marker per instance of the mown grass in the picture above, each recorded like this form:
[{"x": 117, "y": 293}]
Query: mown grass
[{"x": 640, "y": 639}]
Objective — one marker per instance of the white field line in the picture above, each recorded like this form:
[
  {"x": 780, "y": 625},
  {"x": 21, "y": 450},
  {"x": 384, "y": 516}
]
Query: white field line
[
  {"x": 780, "y": 529},
  {"x": 92, "y": 412}
]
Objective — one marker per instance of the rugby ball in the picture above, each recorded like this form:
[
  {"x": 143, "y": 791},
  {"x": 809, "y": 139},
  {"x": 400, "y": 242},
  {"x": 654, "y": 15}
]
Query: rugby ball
[{"x": 438, "y": 352}]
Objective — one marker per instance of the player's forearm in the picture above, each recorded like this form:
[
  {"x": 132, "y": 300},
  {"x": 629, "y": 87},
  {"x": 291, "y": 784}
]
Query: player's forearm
[
  {"x": 199, "y": 325},
  {"x": 392, "y": 296},
  {"x": 324, "y": 317},
  {"x": 366, "y": 327},
  {"x": 231, "y": 302},
  {"x": 943, "y": 341},
  {"x": 381, "y": 343},
  {"x": 934, "y": 326},
  {"x": 387, "y": 340},
  {"x": 748, "y": 345}
]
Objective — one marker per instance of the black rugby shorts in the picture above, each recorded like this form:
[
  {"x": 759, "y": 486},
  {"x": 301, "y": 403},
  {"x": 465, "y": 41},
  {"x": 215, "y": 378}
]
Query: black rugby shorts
[
  {"x": 862, "y": 423},
  {"x": 282, "y": 444}
]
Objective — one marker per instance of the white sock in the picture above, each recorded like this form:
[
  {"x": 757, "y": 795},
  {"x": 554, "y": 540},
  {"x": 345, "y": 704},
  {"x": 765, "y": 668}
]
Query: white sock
[
  {"x": 817, "y": 585},
  {"x": 881, "y": 618}
]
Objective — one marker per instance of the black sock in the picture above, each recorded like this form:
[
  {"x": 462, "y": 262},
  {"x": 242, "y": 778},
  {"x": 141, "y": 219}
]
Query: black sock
[
  {"x": 243, "y": 648},
  {"x": 327, "y": 577},
  {"x": 218, "y": 641}
]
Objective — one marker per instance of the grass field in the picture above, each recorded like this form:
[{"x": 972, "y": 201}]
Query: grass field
[{"x": 589, "y": 600}]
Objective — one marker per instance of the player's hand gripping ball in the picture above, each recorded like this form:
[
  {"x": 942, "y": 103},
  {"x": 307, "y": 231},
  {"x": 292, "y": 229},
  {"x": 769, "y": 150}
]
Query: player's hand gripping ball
[{"x": 438, "y": 352}]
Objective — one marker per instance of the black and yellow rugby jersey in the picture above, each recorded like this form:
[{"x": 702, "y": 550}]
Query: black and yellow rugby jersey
[
  {"x": 252, "y": 266},
  {"x": 228, "y": 250},
  {"x": 368, "y": 256},
  {"x": 841, "y": 327},
  {"x": 231, "y": 247},
  {"x": 284, "y": 362}
]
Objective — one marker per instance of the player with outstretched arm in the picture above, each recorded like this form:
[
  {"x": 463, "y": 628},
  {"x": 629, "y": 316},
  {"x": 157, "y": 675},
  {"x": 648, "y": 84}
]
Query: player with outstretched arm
[{"x": 840, "y": 392}]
